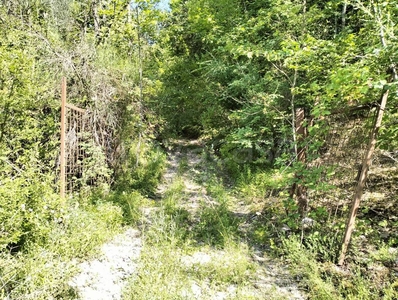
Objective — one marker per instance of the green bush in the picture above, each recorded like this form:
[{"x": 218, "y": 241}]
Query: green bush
[
  {"x": 83, "y": 229},
  {"x": 261, "y": 183},
  {"x": 324, "y": 244},
  {"x": 28, "y": 206},
  {"x": 130, "y": 203},
  {"x": 143, "y": 175},
  {"x": 56, "y": 238}
]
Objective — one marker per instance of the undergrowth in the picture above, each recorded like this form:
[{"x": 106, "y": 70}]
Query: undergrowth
[
  {"x": 41, "y": 269},
  {"x": 327, "y": 281},
  {"x": 312, "y": 250},
  {"x": 43, "y": 237},
  {"x": 202, "y": 254}
]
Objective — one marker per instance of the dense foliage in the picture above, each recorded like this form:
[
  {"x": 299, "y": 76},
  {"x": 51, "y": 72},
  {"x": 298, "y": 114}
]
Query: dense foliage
[
  {"x": 94, "y": 44},
  {"x": 238, "y": 69},
  {"x": 236, "y": 73},
  {"x": 233, "y": 72}
]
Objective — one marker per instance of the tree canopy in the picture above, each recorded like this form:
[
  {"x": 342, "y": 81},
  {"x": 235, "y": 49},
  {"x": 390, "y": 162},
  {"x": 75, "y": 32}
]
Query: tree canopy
[{"x": 235, "y": 73}]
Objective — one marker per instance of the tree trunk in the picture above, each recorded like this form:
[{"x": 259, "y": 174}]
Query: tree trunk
[
  {"x": 298, "y": 188},
  {"x": 343, "y": 15},
  {"x": 362, "y": 178},
  {"x": 97, "y": 27},
  {"x": 141, "y": 96}
]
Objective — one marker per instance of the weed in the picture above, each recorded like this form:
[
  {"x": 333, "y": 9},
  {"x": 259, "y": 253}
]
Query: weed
[
  {"x": 40, "y": 274},
  {"x": 131, "y": 203},
  {"x": 183, "y": 166},
  {"x": 256, "y": 185},
  {"x": 142, "y": 173},
  {"x": 327, "y": 281},
  {"x": 42, "y": 268},
  {"x": 175, "y": 191},
  {"x": 228, "y": 266},
  {"x": 217, "y": 225},
  {"x": 217, "y": 191},
  {"x": 306, "y": 267},
  {"x": 385, "y": 254},
  {"x": 173, "y": 267},
  {"x": 324, "y": 243}
]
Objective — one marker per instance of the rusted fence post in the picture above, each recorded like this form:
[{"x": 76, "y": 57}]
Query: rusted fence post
[
  {"x": 301, "y": 190},
  {"x": 63, "y": 127},
  {"x": 298, "y": 188}
]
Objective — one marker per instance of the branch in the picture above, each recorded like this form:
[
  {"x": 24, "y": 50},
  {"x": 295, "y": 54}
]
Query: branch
[{"x": 283, "y": 73}]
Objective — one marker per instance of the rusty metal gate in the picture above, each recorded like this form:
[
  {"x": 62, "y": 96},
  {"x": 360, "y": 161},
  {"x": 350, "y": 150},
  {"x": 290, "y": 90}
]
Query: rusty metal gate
[{"x": 72, "y": 154}]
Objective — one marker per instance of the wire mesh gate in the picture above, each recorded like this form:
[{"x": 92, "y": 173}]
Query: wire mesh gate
[
  {"x": 340, "y": 157},
  {"x": 331, "y": 150},
  {"x": 73, "y": 120}
]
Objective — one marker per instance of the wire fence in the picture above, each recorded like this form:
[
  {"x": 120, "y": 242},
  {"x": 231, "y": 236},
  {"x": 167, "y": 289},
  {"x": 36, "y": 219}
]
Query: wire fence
[
  {"x": 76, "y": 119},
  {"x": 338, "y": 160},
  {"x": 341, "y": 141},
  {"x": 72, "y": 154}
]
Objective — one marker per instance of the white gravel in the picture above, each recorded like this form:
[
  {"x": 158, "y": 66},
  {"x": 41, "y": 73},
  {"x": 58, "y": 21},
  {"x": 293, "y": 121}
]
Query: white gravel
[{"x": 104, "y": 278}]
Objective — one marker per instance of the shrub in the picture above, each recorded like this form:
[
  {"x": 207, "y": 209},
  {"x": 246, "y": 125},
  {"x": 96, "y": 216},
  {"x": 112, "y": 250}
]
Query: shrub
[
  {"x": 28, "y": 206},
  {"x": 143, "y": 175}
]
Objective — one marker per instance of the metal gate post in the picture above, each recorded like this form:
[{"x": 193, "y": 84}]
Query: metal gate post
[{"x": 63, "y": 128}]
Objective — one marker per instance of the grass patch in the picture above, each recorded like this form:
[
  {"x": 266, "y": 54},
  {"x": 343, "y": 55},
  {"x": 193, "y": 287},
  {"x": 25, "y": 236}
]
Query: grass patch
[
  {"x": 217, "y": 225},
  {"x": 327, "y": 281},
  {"x": 42, "y": 269},
  {"x": 183, "y": 166},
  {"x": 141, "y": 173},
  {"x": 173, "y": 266},
  {"x": 131, "y": 203}
]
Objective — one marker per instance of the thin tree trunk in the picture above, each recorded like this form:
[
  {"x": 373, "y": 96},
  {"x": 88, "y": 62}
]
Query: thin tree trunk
[
  {"x": 362, "y": 178},
  {"x": 299, "y": 135},
  {"x": 63, "y": 137},
  {"x": 293, "y": 108},
  {"x": 97, "y": 28},
  {"x": 301, "y": 190},
  {"x": 371, "y": 146},
  {"x": 129, "y": 13},
  {"x": 141, "y": 96},
  {"x": 343, "y": 15}
]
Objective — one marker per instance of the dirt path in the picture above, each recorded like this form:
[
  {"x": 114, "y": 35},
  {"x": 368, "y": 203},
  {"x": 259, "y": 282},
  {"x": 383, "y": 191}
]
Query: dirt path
[
  {"x": 105, "y": 277},
  {"x": 272, "y": 277}
]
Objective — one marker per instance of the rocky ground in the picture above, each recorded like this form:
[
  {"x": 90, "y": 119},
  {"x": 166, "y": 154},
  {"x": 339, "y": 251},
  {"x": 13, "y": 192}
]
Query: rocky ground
[{"x": 105, "y": 277}]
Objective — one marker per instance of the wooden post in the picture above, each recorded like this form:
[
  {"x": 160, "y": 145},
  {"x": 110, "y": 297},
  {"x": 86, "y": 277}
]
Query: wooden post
[
  {"x": 362, "y": 178},
  {"x": 298, "y": 189},
  {"x": 63, "y": 128},
  {"x": 301, "y": 134}
]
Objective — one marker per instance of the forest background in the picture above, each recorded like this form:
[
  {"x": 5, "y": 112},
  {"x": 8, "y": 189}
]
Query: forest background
[{"x": 230, "y": 72}]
